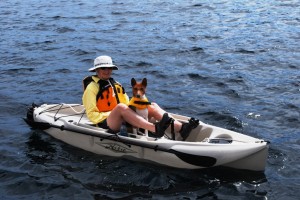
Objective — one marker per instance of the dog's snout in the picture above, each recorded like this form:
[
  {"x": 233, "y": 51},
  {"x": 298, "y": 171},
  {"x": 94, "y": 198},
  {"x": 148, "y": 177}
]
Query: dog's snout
[{"x": 138, "y": 91}]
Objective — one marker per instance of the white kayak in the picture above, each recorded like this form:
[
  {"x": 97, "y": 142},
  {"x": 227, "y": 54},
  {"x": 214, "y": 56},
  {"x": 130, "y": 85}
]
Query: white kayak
[{"x": 206, "y": 146}]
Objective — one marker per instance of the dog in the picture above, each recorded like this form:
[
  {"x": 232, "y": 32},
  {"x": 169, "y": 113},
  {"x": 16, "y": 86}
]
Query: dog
[{"x": 139, "y": 102}]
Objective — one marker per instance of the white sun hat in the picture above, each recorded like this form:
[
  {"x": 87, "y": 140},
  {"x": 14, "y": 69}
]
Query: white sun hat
[{"x": 103, "y": 62}]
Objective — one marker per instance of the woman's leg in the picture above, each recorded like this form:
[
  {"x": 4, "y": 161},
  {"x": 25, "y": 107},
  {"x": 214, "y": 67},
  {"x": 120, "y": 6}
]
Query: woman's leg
[
  {"x": 157, "y": 112},
  {"x": 184, "y": 129},
  {"x": 123, "y": 113}
]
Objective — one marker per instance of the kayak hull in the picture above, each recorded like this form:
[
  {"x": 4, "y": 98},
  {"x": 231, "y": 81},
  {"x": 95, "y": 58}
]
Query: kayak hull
[{"x": 207, "y": 146}]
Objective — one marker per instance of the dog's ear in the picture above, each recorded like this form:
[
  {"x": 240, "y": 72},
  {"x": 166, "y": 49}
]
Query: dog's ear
[
  {"x": 144, "y": 82},
  {"x": 133, "y": 82}
]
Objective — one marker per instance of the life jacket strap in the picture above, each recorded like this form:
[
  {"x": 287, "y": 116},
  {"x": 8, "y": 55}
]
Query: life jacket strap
[
  {"x": 142, "y": 103},
  {"x": 112, "y": 83}
]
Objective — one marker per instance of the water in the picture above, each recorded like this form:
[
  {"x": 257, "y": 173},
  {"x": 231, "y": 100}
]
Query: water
[{"x": 234, "y": 64}]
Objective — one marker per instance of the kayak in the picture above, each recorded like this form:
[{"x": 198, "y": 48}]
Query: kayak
[{"x": 206, "y": 146}]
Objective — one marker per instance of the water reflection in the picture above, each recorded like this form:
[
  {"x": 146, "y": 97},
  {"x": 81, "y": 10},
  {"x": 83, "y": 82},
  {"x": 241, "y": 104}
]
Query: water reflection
[{"x": 39, "y": 150}]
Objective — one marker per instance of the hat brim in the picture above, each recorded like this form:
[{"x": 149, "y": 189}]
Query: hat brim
[{"x": 114, "y": 67}]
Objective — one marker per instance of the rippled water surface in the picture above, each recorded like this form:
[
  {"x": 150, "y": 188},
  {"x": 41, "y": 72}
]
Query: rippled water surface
[{"x": 234, "y": 64}]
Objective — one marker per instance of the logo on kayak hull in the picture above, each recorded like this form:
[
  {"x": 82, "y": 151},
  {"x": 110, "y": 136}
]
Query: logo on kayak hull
[{"x": 115, "y": 147}]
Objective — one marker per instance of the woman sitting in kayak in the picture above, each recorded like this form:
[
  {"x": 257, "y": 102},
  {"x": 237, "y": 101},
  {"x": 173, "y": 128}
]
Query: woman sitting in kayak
[{"x": 106, "y": 104}]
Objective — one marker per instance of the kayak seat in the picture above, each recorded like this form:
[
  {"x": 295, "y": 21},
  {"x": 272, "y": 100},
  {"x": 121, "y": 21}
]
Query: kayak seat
[{"x": 199, "y": 134}]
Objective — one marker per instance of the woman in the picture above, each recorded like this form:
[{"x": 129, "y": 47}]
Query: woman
[{"x": 106, "y": 103}]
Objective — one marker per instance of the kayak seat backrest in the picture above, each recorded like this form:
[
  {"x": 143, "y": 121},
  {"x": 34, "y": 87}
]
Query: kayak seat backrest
[
  {"x": 86, "y": 81},
  {"x": 199, "y": 134}
]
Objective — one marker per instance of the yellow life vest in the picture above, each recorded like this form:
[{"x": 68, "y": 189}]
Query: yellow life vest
[{"x": 139, "y": 103}]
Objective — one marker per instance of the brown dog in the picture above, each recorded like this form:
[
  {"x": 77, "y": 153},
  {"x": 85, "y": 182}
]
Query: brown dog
[{"x": 139, "y": 102}]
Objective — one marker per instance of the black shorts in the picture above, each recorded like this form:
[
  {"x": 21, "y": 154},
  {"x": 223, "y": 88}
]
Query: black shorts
[{"x": 103, "y": 124}]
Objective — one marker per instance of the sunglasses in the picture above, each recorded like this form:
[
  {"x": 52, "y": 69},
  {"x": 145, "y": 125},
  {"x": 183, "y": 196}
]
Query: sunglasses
[{"x": 104, "y": 68}]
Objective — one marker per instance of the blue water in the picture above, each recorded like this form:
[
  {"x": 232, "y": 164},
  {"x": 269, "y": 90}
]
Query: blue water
[{"x": 234, "y": 64}]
